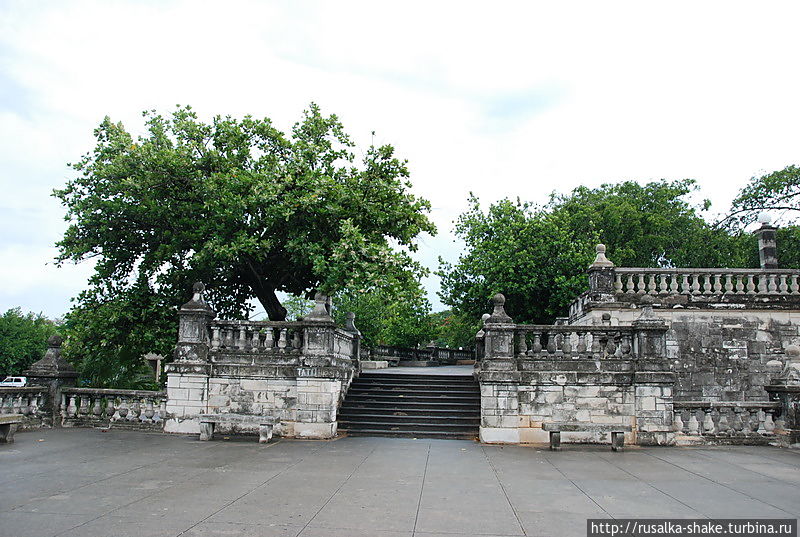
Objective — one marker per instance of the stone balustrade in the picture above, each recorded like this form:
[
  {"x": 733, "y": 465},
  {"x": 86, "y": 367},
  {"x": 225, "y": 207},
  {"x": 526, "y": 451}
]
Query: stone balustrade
[
  {"x": 30, "y": 401},
  {"x": 263, "y": 337},
  {"x": 542, "y": 341},
  {"x": 136, "y": 409},
  {"x": 745, "y": 422},
  {"x": 705, "y": 281}
]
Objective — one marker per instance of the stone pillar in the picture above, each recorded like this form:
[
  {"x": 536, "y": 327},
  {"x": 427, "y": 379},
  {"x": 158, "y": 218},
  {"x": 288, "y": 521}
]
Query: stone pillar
[
  {"x": 767, "y": 252},
  {"x": 54, "y": 372},
  {"x": 601, "y": 277},
  {"x": 187, "y": 375},
  {"x": 350, "y": 326},
  {"x": 654, "y": 383},
  {"x": 318, "y": 334},
  {"x": 785, "y": 389}
]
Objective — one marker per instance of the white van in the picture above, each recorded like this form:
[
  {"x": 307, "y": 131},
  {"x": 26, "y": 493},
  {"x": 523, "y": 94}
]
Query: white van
[{"x": 14, "y": 381}]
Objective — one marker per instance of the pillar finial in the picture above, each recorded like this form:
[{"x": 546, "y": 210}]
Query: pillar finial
[{"x": 600, "y": 259}]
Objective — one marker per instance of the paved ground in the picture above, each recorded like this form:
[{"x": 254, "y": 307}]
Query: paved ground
[
  {"x": 434, "y": 370},
  {"x": 85, "y": 483}
]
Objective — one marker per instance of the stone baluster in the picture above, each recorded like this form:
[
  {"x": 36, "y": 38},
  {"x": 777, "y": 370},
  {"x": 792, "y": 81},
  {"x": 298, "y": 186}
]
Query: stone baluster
[
  {"x": 627, "y": 346},
  {"x": 297, "y": 340},
  {"x": 707, "y": 286},
  {"x": 663, "y": 286},
  {"x": 522, "y": 344},
  {"x": 255, "y": 342},
  {"x": 85, "y": 405},
  {"x": 739, "y": 284},
  {"x": 551, "y": 343},
  {"x": 148, "y": 410},
  {"x": 708, "y": 422},
  {"x": 640, "y": 285},
  {"x": 729, "y": 283},
  {"x": 769, "y": 424},
  {"x": 72, "y": 409},
  {"x": 772, "y": 284},
  {"x": 33, "y": 409},
  {"x": 536, "y": 348},
  {"x": 241, "y": 343},
  {"x": 717, "y": 284},
  {"x": 759, "y": 416},
  {"x": 581, "y": 348},
  {"x": 695, "y": 284},
  {"x": 747, "y": 426},
  {"x": 794, "y": 286},
  {"x": 686, "y": 287},
  {"x": 282, "y": 340},
  {"x": 269, "y": 342},
  {"x": 618, "y": 284},
  {"x": 566, "y": 346},
  {"x": 596, "y": 343},
  {"x": 763, "y": 287},
  {"x": 652, "y": 288},
  {"x": 122, "y": 411},
  {"x": 3, "y": 404},
  {"x": 611, "y": 347},
  {"x": 63, "y": 407},
  {"x": 136, "y": 409},
  {"x": 215, "y": 339},
  {"x": 674, "y": 288},
  {"x": 677, "y": 422},
  {"x": 783, "y": 288},
  {"x": 630, "y": 285},
  {"x": 737, "y": 424},
  {"x": 162, "y": 410},
  {"x": 694, "y": 425},
  {"x": 109, "y": 410},
  {"x": 97, "y": 409},
  {"x": 16, "y": 403},
  {"x": 751, "y": 286},
  {"x": 723, "y": 427}
]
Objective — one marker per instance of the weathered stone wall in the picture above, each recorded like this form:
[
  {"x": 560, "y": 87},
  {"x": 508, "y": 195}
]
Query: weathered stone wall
[{"x": 716, "y": 355}]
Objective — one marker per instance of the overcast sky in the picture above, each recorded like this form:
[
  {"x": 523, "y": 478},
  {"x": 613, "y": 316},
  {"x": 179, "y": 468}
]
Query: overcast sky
[{"x": 498, "y": 98}]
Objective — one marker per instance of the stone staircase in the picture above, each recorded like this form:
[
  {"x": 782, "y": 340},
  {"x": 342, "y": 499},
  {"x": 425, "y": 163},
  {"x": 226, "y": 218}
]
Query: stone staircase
[{"x": 422, "y": 406}]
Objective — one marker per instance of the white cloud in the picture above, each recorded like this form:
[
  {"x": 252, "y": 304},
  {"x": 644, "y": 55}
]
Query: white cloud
[{"x": 503, "y": 99}]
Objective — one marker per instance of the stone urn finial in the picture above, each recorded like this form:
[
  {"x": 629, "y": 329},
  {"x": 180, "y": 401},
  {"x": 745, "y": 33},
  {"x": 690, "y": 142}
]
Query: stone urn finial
[
  {"x": 600, "y": 259},
  {"x": 52, "y": 363},
  {"x": 198, "y": 300},
  {"x": 350, "y": 323},
  {"x": 499, "y": 314},
  {"x": 320, "y": 311}
]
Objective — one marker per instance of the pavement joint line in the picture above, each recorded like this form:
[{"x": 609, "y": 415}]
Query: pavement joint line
[
  {"x": 788, "y": 452},
  {"x": 149, "y": 463},
  {"x": 721, "y": 484},
  {"x": 574, "y": 484},
  {"x": 706, "y": 455},
  {"x": 605, "y": 458},
  {"x": 421, "y": 490},
  {"x": 268, "y": 446},
  {"x": 199, "y": 472},
  {"x": 335, "y": 492},
  {"x": 499, "y": 482}
]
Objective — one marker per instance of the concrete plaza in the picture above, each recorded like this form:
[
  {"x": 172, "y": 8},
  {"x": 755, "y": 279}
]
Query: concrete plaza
[{"x": 85, "y": 483}]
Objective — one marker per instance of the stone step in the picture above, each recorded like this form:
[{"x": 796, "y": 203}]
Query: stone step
[
  {"x": 404, "y": 405},
  {"x": 402, "y": 378},
  {"x": 468, "y": 421},
  {"x": 469, "y": 411},
  {"x": 411, "y": 426},
  {"x": 444, "y": 435},
  {"x": 431, "y": 398},
  {"x": 405, "y": 390}
]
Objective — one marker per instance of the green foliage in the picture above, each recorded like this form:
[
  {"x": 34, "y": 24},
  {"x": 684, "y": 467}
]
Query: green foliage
[
  {"x": 296, "y": 306},
  {"x": 387, "y": 315},
  {"x": 538, "y": 255},
  {"x": 23, "y": 340},
  {"x": 241, "y": 206},
  {"x": 776, "y": 191},
  {"x": 454, "y": 329},
  {"x": 110, "y": 330}
]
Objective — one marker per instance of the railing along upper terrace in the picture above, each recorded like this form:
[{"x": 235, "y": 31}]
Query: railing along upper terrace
[{"x": 768, "y": 286}]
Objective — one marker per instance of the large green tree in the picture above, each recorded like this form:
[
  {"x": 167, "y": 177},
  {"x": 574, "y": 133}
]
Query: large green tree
[
  {"x": 239, "y": 204},
  {"x": 23, "y": 340},
  {"x": 778, "y": 191},
  {"x": 538, "y": 255}
]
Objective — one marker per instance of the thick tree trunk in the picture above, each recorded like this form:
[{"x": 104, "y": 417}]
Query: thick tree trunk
[{"x": 266, "y": 295}]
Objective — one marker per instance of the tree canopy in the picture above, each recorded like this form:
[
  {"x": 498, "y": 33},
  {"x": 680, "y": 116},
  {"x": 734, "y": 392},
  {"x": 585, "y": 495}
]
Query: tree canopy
[
  {"x": 776, "y": 191},
  {"x": 538, "y": 255},
  {"x": 240, "y": 205},
  {"x": 23, "y": 340}
]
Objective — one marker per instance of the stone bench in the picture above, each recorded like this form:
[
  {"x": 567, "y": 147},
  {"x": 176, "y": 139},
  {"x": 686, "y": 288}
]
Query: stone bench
[
  {"x": 556, "y": 428},
  {"x": 265, "y": 424},
  {"x": 8, "y": 426}
]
